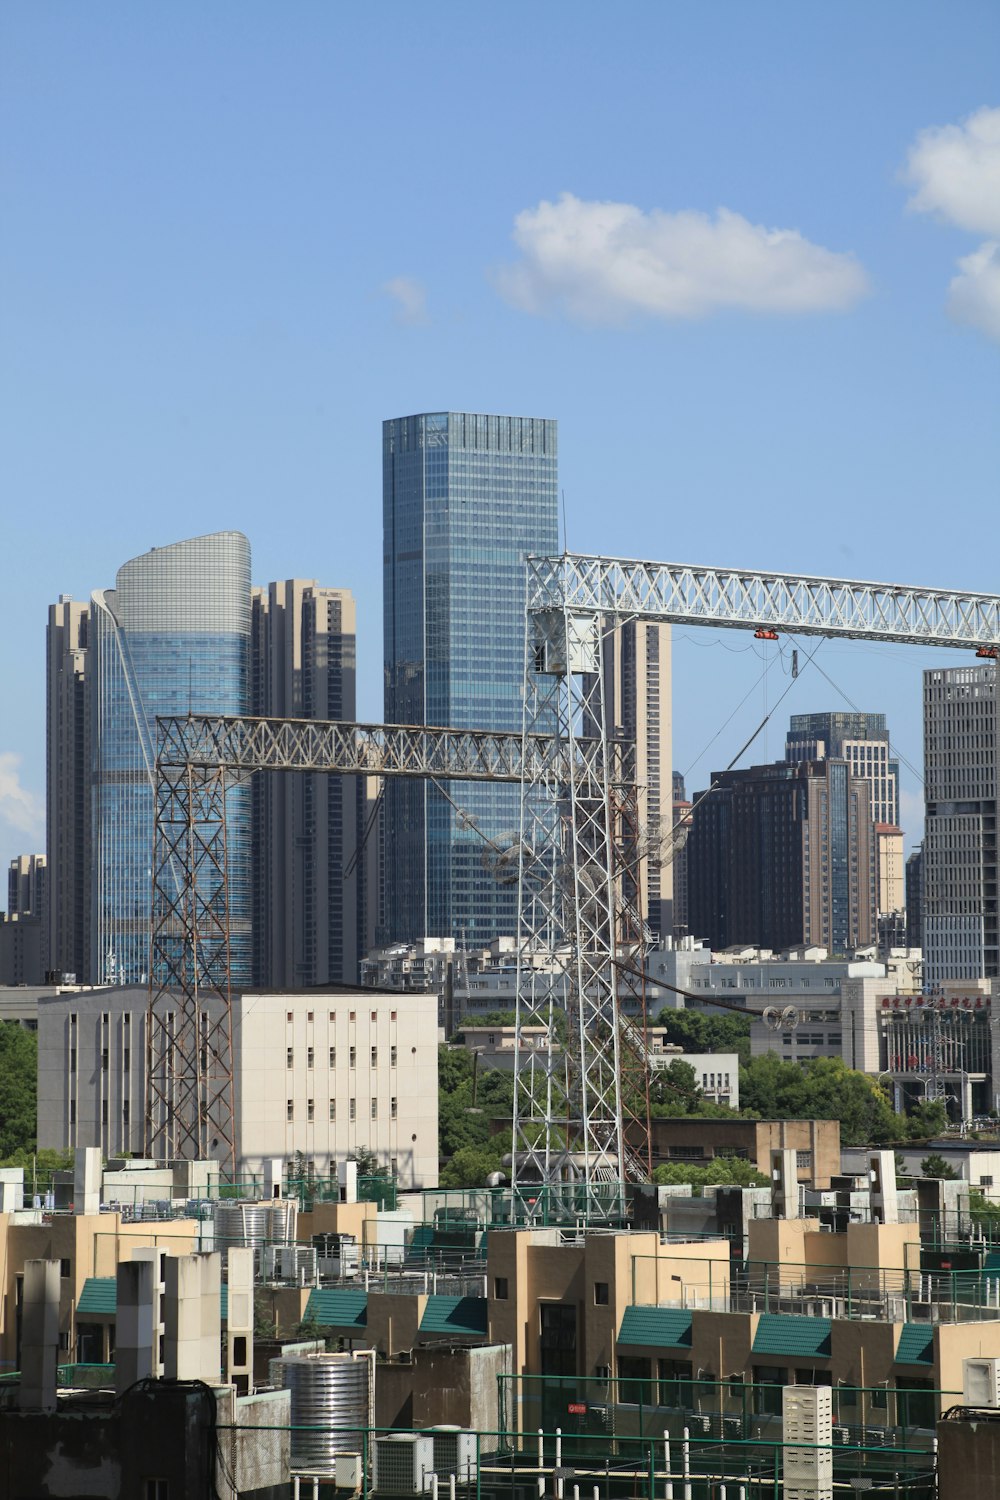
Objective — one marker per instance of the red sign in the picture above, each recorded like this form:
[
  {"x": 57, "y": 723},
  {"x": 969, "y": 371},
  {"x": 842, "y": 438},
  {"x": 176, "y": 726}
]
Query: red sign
[{"x": 577, "y": 1409}]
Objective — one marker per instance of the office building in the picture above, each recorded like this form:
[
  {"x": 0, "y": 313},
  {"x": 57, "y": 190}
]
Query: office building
[
  {"x": 782, "y": 855},
  {"x": 172, "y": 636},
  {"x": 309, "y": 881},
  {"x": 26, "y": 885},
  {"x": 317, "y": 1075},
  {"x": 465, "y": 498},
  {"x": 862, "y": 740},
  {"x": 638, "y": 706},
  {"x": 67, "y": 787},
  {"x": 960, "y": 872}
]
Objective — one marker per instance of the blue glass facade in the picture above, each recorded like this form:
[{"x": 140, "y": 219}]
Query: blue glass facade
[
  {"x": 466, "y": 498},
  {"x": 172, "y": 636}
]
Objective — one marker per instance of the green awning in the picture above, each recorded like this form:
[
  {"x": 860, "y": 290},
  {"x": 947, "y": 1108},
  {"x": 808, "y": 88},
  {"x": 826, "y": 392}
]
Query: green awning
[
  {"x": 792, "y": 1336},
  {"x": 462, "y": 1316},
  {"x": 99, "y": 1295},
  {"x": 338, "y": 1308},
  {"x": 916, "y": 1345},
  {"x": 656, "y": 1327}
]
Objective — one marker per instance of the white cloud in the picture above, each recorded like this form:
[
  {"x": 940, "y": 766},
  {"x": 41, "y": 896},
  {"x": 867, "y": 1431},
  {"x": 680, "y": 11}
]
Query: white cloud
[
  {"x": 19, "y": 807},
  {"x": 955, "y": 170},
  {"x": 974, "y": 294},
  {"x": 606, "y": 262},
  {"x": 410, "y": 298}
]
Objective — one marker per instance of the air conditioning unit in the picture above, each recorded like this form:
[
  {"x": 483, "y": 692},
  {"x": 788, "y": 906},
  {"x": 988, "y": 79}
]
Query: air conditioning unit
[
  {"x": 294, "y": 1263},
  {"x": 404, "y": 1463},
  {"x": 454, "y": 1453},
  {"x": 981, "y": 1382}
]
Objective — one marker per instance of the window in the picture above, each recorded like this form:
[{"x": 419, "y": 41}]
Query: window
[
  {"x": 374, "y": 1015},
  {"x": 310, "y": 1109},
  {"x": 352, "y": 1057},
  {"x": 289, "y": 1015},
  {"x": 289, "y": 1057},
  {"x": 500, "y": 1288},
  {"x": 309, "y": 1016},
  {"x": 392, "y": 1112},
  {"x": 333, "y": 1109},
  {"x": 290, "y": 1110},
  {"x": 374, "y": 1109},
  {"x": 310, "y": 1057},
  {"x": 352, "y": 1109},
  {"x": 64, "y": 1269},
  {"x": 352, "y": 1016},
  {"x": 157, "y": 1489},
  {"x": 392, "y": 1057},
  {"x": 374, "y": 1057},
  {"x": 333, "y": 1057},
  {"x": 392, "y": 1015},
  {"x": 601, "y": 1293}
]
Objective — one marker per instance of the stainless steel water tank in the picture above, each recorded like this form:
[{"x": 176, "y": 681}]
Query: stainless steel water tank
[{"x": 330, "y": 1392}]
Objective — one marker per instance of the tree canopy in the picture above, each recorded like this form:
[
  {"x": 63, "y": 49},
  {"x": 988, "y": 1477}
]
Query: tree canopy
[{"x": 18, "y": 1089}]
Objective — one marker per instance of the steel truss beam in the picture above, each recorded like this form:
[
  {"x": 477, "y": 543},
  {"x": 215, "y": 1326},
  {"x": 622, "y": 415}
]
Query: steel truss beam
[
  {"x": 679, "y": 594},
  {"x": 189, "y": 1076}
]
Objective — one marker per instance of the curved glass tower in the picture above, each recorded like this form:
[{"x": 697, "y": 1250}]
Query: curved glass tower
[{"x": 172, "y": 637}]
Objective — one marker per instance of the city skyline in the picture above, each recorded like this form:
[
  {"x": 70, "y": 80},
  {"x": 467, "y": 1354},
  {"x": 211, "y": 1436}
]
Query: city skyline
[{"x": 215, "y": 349}]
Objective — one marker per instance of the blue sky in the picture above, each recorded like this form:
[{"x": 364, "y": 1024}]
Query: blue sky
[{"x": 238, "y": 236}]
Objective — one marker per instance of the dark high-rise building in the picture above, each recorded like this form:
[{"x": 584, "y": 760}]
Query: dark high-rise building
[
  {"x": 67, "y": 788},
  {"x": 466, "y": 498},
  {"x": 679, "y": 856},
  {"x": 960, "y": 866},
  {"x": 308, "y": 880},
  {"x": 780, "y": 856},
  {"x": 915, "y": 898}
]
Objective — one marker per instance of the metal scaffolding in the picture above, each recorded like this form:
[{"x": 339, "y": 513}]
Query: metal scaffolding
[{"x": 579, "y": 1115}]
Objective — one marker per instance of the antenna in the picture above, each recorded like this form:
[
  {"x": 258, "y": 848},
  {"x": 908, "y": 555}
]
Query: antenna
[{"x": 565, "y": 535}]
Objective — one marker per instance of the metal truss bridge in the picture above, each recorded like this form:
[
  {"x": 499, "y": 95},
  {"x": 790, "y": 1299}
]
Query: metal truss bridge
[{"x": 581, "y": 1106}]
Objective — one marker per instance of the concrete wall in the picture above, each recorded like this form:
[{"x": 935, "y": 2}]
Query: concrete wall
[{"x": 459, "y": 1386}]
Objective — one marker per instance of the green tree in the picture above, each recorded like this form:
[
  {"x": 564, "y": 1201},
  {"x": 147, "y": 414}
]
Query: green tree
[
  {"x": 723, "y": 1171},
  {"x": 18, "y": 1096},
  {"x": 926, "y": 1119},
  {"x": 700, "y": 1033},
  {"x": 471, "y": 1165},
  {"x": 823, "y": 1088},
  {"x": 936, "y": 1166}
]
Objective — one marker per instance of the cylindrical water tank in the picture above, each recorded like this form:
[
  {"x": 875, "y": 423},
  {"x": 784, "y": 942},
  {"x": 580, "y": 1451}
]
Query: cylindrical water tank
[
  {"x": 271, "y": 1221},
  {"x": 331, "y": 1393}
]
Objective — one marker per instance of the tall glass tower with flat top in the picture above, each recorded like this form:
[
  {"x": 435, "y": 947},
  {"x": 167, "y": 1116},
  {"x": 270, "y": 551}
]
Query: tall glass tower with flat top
[{"x": 466, "y": 498}]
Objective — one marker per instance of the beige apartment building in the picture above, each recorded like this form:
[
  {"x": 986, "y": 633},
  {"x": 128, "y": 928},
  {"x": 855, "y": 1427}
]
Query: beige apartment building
[{"x": 320, "y": 1073}]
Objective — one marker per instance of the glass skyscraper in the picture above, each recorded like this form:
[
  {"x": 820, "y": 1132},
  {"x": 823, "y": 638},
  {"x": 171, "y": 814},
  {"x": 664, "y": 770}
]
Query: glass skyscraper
[
  {"x": 465, "y": 499},
  {"x": 172, "y": 636}
]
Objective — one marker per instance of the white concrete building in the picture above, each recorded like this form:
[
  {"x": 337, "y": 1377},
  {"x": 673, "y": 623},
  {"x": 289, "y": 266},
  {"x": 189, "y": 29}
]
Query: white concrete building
[{"x": 323, "y": 1073}]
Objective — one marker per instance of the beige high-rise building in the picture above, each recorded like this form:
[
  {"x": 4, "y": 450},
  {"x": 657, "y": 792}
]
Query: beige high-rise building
[
  {"x": 67, "y": 788},
  {"x": 891, "y": 868},
  {"x": 309, "y": 884},
  {"x": 639, "y": 706}
]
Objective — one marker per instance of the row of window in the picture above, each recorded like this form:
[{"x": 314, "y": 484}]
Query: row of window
[
  {"x": 352, "y": 1057},
  {"x": 352, "y": 1109}
]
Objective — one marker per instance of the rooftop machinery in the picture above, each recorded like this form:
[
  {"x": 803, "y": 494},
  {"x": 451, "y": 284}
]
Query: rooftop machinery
[{"x": 581, "y": 940}]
